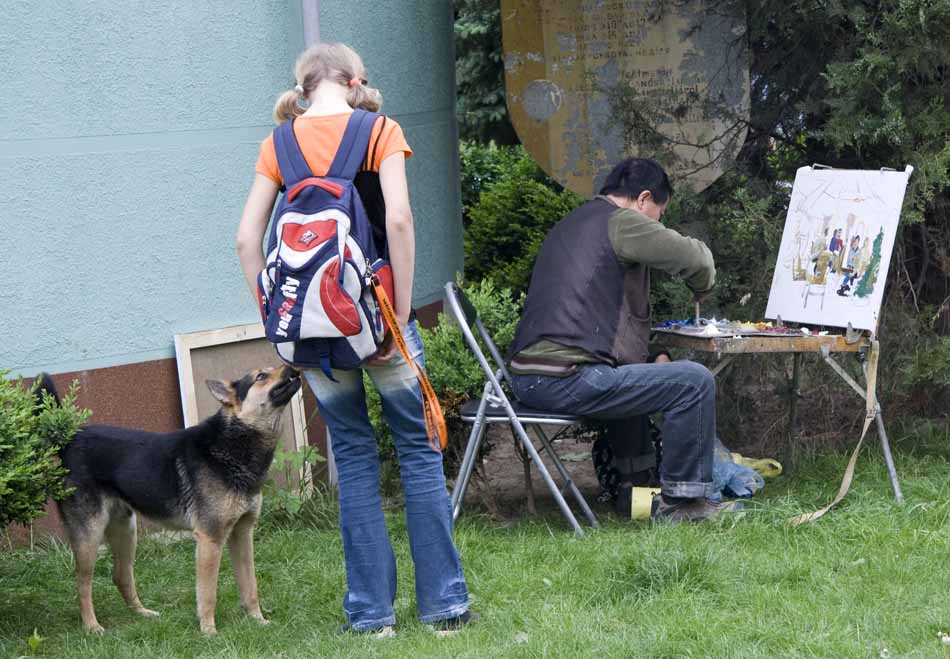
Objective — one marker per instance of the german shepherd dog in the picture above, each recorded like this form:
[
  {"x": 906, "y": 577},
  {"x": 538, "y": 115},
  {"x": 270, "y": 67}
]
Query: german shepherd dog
[{"x": 206, "y": 479}]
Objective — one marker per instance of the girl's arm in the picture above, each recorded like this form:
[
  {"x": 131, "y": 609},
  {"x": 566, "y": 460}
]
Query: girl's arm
[
  {"x": 401, "y": 241},
  {"x": 399, "y": 232},
  {"x": 250, "y": 235}
]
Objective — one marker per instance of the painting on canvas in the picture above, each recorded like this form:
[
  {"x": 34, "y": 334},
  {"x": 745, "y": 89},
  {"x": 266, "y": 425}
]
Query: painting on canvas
[{"x": 836, "y": 247}]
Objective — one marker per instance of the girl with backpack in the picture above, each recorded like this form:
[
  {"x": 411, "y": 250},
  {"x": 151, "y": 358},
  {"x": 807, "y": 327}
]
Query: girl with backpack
[{"x": 331, "y": 83}]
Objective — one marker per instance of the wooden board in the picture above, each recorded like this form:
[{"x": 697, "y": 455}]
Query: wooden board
[
  {"x": 756, "y": 344},
  {"x": 228, "y": 354}
]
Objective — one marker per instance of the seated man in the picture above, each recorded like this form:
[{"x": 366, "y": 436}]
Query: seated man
[{"x": 581, "y": 345}]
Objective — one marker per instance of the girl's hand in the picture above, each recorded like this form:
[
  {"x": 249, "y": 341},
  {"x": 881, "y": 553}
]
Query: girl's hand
[{"x": 388, "y": 348}]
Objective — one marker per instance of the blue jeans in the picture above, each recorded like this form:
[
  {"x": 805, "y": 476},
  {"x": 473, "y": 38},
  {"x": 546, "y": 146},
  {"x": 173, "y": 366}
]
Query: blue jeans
[
  {"x": 684, "y": 391},
  {"x": 370, "y": 564}
]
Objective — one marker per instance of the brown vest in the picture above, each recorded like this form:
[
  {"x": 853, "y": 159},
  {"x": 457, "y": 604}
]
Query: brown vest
[{"x": 582, "y": 296}]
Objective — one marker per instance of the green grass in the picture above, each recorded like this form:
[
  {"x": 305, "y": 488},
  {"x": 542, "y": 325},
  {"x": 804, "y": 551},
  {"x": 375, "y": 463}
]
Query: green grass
[{"x": 869, "y": 576}]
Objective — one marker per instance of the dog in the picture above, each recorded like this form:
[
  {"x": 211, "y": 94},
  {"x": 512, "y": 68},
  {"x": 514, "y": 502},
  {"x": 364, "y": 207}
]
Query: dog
[{"x": 206, "y": 479}]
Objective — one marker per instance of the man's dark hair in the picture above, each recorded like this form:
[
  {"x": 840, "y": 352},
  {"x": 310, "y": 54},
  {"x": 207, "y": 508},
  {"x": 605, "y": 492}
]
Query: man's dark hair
[{"x": 634, "y": 175}]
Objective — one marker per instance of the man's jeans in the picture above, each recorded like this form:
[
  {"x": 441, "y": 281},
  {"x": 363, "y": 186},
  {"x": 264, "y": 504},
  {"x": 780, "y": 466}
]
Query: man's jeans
[
  {"x": 684, "y": 391},
  {"x": 370, "y": 564}
]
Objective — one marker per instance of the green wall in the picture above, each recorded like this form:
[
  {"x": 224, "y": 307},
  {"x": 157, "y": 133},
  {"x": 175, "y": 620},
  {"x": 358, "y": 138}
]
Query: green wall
[{"x": 128, "y": 135}]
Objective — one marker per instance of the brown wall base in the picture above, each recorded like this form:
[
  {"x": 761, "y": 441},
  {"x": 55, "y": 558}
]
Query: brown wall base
[{"x": 146, "y": 396}]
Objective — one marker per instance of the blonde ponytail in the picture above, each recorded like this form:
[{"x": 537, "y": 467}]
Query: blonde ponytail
[
  {"x": 328, "y": 61},
  {"x": 363, "y": 97},
  {"x": 287, "y": 106}
]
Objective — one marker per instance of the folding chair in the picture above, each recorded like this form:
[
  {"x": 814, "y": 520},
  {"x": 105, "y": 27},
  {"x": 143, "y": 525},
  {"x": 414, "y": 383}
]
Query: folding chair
[{"x": 495, "y": 407}]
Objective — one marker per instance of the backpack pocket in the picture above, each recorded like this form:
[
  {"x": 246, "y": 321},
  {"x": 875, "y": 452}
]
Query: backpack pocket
[
  {"x": 303, "y": 239},
  {"x": 330, "y": 306}
]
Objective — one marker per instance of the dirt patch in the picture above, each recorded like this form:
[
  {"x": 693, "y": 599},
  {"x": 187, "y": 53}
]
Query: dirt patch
[{"x": 498, "y": 487}]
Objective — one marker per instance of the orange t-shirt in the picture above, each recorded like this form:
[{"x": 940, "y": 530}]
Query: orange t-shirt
[{"x": 319, "y": 138}]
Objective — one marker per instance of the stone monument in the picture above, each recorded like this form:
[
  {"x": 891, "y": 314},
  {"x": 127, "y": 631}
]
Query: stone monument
[{"x": 590, "y": 82}]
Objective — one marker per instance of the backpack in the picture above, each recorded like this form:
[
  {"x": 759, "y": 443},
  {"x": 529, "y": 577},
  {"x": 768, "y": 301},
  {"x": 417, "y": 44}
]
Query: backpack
[{"x": 316, "y": 296}]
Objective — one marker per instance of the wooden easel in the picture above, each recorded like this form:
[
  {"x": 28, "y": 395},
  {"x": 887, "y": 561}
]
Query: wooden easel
[{"x": 861, "y": 344}]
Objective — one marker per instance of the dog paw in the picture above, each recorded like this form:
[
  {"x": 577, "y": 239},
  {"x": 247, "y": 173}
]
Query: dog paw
[
  {"x": 96, "y": 629},
  {"x": 257, "y": 617},
  {"x": 148, "y": 613},
  {"x": 209, "y": 630}
]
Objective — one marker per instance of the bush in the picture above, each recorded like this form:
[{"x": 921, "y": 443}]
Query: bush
[
  {"x": 924, "y": 374},
  {"x": 32, "y": 432},
  {"x": 293, "y": 497},
  {"x": 517, "y": 205},
  {"x": 451, "y": 366},
  {"x": 481, "y": 165}
]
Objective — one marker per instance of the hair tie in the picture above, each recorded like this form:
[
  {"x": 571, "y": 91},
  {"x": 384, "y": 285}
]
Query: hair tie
[{"x": 298, "y": 89}]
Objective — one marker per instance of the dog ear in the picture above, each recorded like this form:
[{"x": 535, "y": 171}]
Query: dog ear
[{"x": 221, "y": 391}]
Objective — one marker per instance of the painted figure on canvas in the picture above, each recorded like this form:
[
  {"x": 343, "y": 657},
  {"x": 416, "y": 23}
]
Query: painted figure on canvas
[
  {"x": 850, "y": 266},
  {"x": 835, "y": 246}
]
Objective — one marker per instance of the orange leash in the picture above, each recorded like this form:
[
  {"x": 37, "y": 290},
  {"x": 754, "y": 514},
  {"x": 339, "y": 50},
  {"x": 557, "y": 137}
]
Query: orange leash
[{"x": 435, "y": 421}]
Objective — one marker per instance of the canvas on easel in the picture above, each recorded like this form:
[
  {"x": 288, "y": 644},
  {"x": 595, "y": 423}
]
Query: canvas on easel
[{"x": 836, "y": 246}]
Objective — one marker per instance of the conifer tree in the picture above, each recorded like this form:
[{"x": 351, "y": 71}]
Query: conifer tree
[{"x": 866, "y": 285}]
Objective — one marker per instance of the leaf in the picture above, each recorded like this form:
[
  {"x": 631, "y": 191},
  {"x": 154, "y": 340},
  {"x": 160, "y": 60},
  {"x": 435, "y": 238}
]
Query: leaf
[{"x": 34, "y": 641}]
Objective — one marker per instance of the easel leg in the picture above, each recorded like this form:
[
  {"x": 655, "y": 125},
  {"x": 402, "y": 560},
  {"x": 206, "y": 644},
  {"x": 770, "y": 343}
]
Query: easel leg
[
  {"x": 870, "y": 374},
  {"x": 793, "y": 395},
  {"x": 888, "y": 459}
]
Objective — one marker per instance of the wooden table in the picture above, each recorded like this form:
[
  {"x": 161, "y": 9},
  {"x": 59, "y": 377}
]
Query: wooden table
[{"x": 728, "y": 347}]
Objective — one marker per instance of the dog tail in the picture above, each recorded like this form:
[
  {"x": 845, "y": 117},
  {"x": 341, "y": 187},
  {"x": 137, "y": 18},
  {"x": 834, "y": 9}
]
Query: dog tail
[{"x": 44, "y": 383}]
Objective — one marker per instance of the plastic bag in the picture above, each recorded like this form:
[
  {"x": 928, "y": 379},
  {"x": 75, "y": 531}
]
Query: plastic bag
[{"x": 731, "y": 479}]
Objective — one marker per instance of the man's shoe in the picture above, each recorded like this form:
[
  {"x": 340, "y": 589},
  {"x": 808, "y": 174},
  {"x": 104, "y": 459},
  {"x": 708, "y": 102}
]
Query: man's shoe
[
  {"x": 687, "y": 510},
  {"x": 452, "y": 626},
  {"x": 379, "y": 632}
]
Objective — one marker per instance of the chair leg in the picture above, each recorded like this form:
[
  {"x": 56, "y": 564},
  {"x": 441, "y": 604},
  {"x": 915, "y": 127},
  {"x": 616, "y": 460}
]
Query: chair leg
[
  {"x": 468, "y": 462},
  {"x": 562, "y": 504},
  {"x": 566, "y": 476}
]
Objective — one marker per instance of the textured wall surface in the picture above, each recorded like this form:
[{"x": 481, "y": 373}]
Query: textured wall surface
[{"x": 128, "y": 135}]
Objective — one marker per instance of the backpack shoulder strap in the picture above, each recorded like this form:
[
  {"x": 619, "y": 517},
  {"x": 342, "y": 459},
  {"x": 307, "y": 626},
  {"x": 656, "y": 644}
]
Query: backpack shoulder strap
[
  {"x": 352, "y": 151},
  {"x": 293, "y": 166},
  {"x": 371, "y": 157}
]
